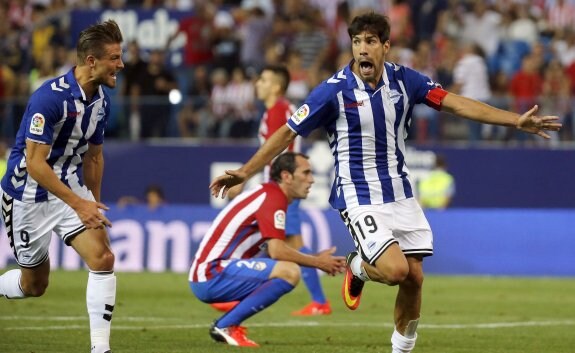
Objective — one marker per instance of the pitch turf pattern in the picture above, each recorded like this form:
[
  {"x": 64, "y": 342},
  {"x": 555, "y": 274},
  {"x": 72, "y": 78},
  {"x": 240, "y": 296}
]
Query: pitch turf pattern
[{"x": 156, "y": 313}]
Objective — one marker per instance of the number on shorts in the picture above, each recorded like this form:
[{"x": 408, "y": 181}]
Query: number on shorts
[
  {"x": 244, "y": 263},
  {"x": 369, "y": 222},
  {"x": 25, "y": 237}
]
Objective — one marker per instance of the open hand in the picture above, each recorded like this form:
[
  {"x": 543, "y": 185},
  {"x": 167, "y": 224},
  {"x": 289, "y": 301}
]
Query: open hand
[
  {"x": 332, "y": 265},
  {"x": 533, "y": 124}
]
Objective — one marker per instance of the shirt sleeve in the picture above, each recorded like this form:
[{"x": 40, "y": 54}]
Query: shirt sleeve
[
  {"x": 43, "y": 112},
  {"x": 319, "y": 109},
  {"x": 271, "y": 216},
  {"x": 418, "y": 85}
]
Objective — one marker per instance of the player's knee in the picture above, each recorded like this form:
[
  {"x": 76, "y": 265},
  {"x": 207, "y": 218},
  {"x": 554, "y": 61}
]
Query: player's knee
[
  {"x": 393, "y": 274},
  {"x": 103, "y": 262},
  {"x": 397, "y": 275},
  {"x": 414, "y": 279},
  {"x": 289, "y": 271},
  {"x": 34, "y": 288}
]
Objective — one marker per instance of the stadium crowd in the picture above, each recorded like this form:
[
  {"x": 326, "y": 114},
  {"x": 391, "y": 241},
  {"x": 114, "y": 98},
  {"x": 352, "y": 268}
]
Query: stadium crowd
[{"x": 509, "y": 53}]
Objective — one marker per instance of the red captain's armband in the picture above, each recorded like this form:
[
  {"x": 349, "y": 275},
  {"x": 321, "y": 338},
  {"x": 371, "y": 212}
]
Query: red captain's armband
[{"x": 435, "y": 97}]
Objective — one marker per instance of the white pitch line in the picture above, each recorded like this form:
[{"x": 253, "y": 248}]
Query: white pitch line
[
  {"x": 490, "y": 325},
  {"x": 78, "y": 318}
]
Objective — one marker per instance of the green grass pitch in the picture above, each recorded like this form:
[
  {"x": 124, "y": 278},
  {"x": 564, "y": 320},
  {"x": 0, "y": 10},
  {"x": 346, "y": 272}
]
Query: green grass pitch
[{"x": 156, "y": 313}]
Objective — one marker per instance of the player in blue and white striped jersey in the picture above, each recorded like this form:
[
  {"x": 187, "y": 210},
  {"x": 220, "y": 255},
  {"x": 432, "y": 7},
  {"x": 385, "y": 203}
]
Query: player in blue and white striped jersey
[
  {"x": 366, "y": 110},
  {"x": 54, "y": 177}
]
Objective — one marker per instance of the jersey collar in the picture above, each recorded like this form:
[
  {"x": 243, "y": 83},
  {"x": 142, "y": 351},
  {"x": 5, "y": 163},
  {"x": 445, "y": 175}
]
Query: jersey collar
[{"x": 77, "y": 91}]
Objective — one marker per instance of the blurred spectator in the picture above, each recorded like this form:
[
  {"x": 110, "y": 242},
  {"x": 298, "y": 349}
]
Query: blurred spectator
[
  {"x": 267, "y": 6},
  {"x": 471, "y": 79},
  {"x": 401, "y": 23},
  {"x": 448, "y": 52},
  {"x": 42, "y": 31},
  {"x": 220, "y": 109},
  {"x": 151, "y": 92},
  {"x": 438, "y": 188},
  {"x": 253, "y": 31},
  {"x": 482, "y": 27},
  {"x": 7, "y": 90},
  {"x": 560, "y": 15},
  {"x": 299, "y": 85},
  {"x": 329, "y": 10},
  {"x": 241, "y": 98},
  {"x": 522, "y": 26},
  {"x": 526, "y": 87},
  {"x": 339, "y": 32},
  {"x": 564, "y": 46},
  {"x": 134, "y": 68},
  {"x": 44, "y": 70},
  {"x": 198, "y": 31},
  {"x": 425, "y": 118},
  {"x": 193, "y": 118},
  {"x": 555, "y": 95},
  {"x": 311, "y": 42},
  {"x": 425, "y": 15},
  {"x": 153, "y": 198},
  {"x": 225, "y": 42},
  {"x": 64, "y": 60},
  {"x": 499, "y": 99}
]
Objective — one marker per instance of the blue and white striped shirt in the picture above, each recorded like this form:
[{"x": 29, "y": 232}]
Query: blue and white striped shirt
[
  {"x": 366, "y": 130},
  {"x": 57, "y": 114}
]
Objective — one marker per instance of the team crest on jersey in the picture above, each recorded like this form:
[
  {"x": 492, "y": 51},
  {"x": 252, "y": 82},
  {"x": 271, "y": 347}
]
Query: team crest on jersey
[
  {"x": 37, "y": 124},
  {"x": 280, "y": 219},
  {"x": 394, "y": 96},
  {"x": 101, "y": 114},
  {"x": 300, "y": 114}
]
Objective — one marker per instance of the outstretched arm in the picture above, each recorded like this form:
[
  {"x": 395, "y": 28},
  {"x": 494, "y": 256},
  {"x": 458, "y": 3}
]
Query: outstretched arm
[
  {"x": 484, "y": 113},
  {"x": 278, "y": 142}
]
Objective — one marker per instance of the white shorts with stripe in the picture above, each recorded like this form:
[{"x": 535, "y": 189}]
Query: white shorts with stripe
[
  {"x": 30, "y": 225},
  {"x": 375, "y": 227}
]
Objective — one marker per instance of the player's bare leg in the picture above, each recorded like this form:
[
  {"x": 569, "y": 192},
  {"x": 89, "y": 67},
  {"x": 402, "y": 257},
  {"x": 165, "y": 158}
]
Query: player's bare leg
[
  {"x": 390, "y": 268},
  {"x": 407, "y": 308},
  {"x": 393, "y": 268},
  {"x": 93, "y": 246},
  {"x": 25, "y": 282}
]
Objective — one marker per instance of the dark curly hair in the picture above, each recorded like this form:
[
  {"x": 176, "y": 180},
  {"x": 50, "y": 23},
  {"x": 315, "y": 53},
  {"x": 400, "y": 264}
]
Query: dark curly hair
[{"x": 371, "y": 22}]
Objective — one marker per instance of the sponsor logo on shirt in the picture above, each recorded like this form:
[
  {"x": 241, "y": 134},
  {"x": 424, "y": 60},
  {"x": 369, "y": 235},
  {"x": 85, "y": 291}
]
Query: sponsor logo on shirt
[
  {"x": 300, "y": 114},
  {"x": 280, "y": 219},
  {"x": 354, "y": 105},
  {"x": 37, "y": 124}
]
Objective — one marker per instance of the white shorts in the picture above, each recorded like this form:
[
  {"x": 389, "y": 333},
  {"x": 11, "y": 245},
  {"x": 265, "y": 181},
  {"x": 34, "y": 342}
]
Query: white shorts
[
  {"x": 29, "y": 226},
  {"x": 375, "y": 227}
]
